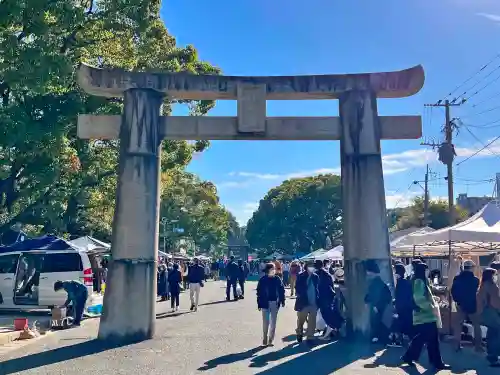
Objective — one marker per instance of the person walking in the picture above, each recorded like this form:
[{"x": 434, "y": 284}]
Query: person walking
[
  {"x": 215, "y": 270},
  {"x": 403, "y": 302},
  {"x": 286, "y": 273},
  {"x": 162, "y": 282},
  {"x": 196, "y": 275},
  {"x": 77, "y": 296},
  {"x": 425, "y": 322},
  {"x": 488, "y": 308},
  {"x": 174, "y": 285},
  {"x": 232, "y": 274},
  {"x": 379, "y": 299},
  {"x": 270, "y": 296},
  {"x": 326, "y": 302},
  {"x": 294, "y": 272},
  {"x": 242, "y": 276},
  {"x": 464, "y": 290},
  {"x": 307, "y": 302}
]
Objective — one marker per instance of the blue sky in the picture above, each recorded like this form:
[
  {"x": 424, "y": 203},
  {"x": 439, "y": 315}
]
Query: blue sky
[{"x": 452, "y": 39}]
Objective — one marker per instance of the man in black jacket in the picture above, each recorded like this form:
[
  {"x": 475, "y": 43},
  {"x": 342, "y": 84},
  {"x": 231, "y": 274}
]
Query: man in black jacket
[
  {"x": 327, "y": 293},
  {"x": 242, "y": 277},
  {"x": 379, "y": 299},
  {"x": 464, "y": 291},
  {"x": 232, "y": 273},
  {"x": 307, "y": 302},
  {"x": 196, "y": 276}
]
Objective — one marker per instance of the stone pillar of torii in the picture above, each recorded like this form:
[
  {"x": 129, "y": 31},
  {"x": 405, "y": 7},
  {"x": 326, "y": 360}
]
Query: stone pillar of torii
[{"x": 129, "y": 302}]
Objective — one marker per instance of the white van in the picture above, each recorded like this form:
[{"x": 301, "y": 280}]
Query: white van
[{"x": 27, "y": 277}]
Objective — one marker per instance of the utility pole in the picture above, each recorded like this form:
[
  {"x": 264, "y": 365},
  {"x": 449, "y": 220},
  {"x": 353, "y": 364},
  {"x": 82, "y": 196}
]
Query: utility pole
[
  {"x": 497, "y": 186},
  {"x": 426, "y": 197},
  {"x": 447, "y": 153}
]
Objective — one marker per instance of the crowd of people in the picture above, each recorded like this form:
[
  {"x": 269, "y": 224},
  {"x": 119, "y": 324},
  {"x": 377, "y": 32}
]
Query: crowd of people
[
  {"x": 408, "y": 317},
  {"x": 411, "y": 317}
]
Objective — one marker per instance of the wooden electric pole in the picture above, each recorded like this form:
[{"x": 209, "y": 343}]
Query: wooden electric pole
[
  {"x": 426, "y": 197},
  {"x": 447, "y": 153}
]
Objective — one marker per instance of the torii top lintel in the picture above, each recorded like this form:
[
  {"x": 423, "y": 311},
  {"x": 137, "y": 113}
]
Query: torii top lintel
[{"x": 113, "y": 82}]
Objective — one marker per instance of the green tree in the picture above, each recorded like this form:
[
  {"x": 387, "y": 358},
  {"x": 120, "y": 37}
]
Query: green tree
[
  {"x": 50, "y": 180},
  {"x": 413, "y": 216},
  {"x": 298, "y": 215},
  {"x": 193, "y": 205}
]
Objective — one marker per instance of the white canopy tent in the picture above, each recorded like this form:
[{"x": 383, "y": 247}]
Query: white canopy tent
[
  {"x": 479, "y": 234},
  {"x": 314, "y": 255},
  {"x": 91, "y": 244},
  {"x": 337, "y": 253}
]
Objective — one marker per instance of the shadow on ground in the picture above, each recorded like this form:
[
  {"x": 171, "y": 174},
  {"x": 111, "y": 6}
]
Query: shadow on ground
[
  {"x": 215, "y": 303},
  {"x": 171, "y": 314},
  {"x": 326, "y": 359},
  {"x": 230, "y": 358},
  {"x": 58, "y": 355}
]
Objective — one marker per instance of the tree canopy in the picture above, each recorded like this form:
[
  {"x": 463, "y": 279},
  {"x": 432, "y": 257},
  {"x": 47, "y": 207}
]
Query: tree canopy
[
  {"x": 298, "y": 216},
  {"x": 192, "y": 205},
  {"x": 50, "y": 180},
  {"x": 413, "y": 215}
]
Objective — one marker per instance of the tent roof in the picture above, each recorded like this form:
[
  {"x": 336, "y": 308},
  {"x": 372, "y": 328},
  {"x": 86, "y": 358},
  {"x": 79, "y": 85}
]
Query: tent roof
[
  {"x": 90, "y": 243},
  {"x": 337, "y": 253},
  {"x": 40, "y": 243},
  {"x": 407, "y": 238},
  {"x": 483, "y": 227}
]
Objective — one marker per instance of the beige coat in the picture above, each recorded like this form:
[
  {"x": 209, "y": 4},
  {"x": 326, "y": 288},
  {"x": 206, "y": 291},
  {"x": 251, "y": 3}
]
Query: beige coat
[{"x": 488, "y": 290}]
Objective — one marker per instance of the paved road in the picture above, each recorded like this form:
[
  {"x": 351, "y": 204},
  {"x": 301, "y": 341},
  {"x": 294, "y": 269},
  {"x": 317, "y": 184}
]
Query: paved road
[{"x": 221, "y": 338}]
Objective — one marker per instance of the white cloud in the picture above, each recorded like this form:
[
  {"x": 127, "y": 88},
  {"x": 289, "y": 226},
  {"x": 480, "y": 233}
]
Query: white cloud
[
  {"x": 392, "y": 164},
  {"x": 490, "y": 16}
]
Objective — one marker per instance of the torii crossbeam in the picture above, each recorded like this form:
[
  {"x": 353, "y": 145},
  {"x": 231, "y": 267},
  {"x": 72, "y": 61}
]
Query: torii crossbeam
[{"x": 129, "y": 302}]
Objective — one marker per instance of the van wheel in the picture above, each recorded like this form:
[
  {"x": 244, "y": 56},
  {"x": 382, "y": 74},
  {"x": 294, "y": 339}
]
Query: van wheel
[{"x": 65, "y": 324}]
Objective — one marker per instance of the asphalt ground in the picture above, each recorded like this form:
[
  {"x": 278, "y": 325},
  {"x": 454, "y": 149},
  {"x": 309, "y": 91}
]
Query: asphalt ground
[{"x": 220, "y": 338}]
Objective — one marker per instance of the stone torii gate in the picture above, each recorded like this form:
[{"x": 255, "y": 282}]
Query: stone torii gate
[{"x": 129, "y": 302}]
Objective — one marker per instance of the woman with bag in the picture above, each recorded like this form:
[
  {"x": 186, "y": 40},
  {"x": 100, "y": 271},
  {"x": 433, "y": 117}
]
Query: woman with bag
[
  {"x": 425, "y": 322},
  {"x": 488, "y": 308},
  {"x": 270, "y": 296},
  {"x": 174, "y": 284}
]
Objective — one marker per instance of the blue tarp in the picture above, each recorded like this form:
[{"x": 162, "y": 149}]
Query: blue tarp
[{"x": 39, "y": 243}]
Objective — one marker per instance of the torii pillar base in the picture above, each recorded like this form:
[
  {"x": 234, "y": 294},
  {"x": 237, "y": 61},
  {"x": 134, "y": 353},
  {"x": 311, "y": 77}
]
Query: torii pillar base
[{"x": 130, "y": 298}]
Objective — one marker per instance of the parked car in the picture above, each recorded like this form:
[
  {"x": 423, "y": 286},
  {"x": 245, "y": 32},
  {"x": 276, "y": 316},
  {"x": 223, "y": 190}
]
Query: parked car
[{"x": 27, "y": 276}]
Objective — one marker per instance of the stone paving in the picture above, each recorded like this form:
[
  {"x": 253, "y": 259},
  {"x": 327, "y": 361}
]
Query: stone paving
[{"x": 221, "y": 338}]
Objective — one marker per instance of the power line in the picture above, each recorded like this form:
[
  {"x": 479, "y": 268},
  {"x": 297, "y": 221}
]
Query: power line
[
  {"x": 480, "y": 142},
  {"x": 478, "y": 151},
  {"x": 482, "y": 126},
  {"x": 486, "y": 99},
  {"x": 472, "y": 76},
  {"x": 482, "y": 112},
  {"x": 485, "y": 86}
]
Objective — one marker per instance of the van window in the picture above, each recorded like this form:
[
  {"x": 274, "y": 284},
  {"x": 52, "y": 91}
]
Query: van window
[
  {"x": 8, "y": 263},
  {"x": 62, "y": 262}
]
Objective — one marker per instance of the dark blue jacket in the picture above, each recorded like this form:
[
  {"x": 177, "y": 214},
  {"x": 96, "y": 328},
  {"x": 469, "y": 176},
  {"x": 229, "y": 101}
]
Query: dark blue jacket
[
  {"x": 265, "y": 284},
  {"x": 196, "y": 274},
  {"x": 232, "y": 271},
  {"x": 174, "y": 279},
  {"x": 302, "y": 300},
  {"x": 464, "y": 291},
  {"x": 326, "y": 287}
]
